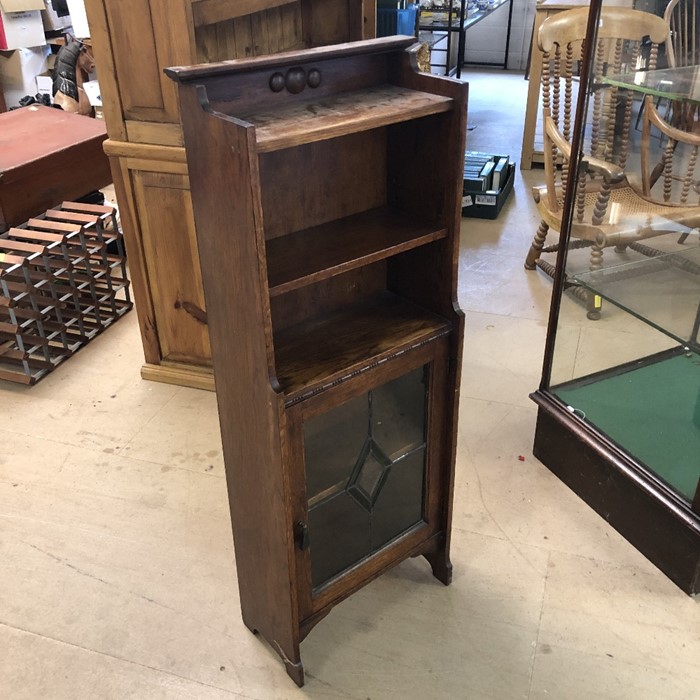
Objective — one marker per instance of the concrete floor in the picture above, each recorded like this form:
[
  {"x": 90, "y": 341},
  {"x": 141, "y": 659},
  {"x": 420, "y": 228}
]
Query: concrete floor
[{"x": 117, "y": 577}]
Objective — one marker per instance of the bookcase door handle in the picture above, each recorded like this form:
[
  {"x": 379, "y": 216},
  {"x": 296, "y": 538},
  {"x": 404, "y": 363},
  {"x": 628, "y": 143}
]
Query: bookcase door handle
[{"x": 302, "y": 535}]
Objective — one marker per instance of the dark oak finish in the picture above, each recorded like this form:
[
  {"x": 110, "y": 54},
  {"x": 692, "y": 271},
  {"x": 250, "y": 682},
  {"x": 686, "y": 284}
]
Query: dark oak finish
[
  {"x": 348, "y": 113},
  {"x": 329, "y": 275}
]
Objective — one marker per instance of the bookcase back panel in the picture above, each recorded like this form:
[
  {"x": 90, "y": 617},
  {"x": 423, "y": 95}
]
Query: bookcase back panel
[
  {"x": 271, "y": 31},
  {"x": 424, "y": 276},
  {"x": 420, "y": 276},
  {"x": 290, "y": 26},
  {"x": 327, "y": 296},
  {"x": 418, "y": 153},
  {"x": 250, "y": 92},
  {"x": 330, "y": 21},
  {"x": 322, "y": 181}
]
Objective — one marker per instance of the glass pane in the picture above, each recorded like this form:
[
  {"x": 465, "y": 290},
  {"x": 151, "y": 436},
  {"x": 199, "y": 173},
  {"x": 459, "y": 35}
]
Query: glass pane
[
  {"x": 398, "y": 414},
  {"x": 365, "y": 471},
  {"x": 340, "y": 536},
  {"x": 679, "y": 83},
  {"x": 332, "y": 442},
  {"x": 626, "y": 355},
  {"x": 369, "y": 476},
  {"x": 650, "y": 289},
  {"x": 400, "y": 504}
]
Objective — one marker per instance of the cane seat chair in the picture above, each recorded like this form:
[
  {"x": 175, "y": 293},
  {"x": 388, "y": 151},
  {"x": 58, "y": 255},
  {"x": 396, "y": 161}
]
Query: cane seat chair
[{"x": 609, "y": 210}]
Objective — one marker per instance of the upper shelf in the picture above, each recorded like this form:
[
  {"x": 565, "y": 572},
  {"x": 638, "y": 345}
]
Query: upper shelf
[{"x": 338, "y": 115}]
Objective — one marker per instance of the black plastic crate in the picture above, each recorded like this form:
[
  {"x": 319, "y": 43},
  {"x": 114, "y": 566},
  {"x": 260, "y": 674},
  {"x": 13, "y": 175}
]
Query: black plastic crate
[{"x": 482, "y": 205}]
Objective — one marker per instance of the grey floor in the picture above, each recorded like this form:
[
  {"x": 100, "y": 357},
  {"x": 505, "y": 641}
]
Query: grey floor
[{"x": 117, "y": 577}]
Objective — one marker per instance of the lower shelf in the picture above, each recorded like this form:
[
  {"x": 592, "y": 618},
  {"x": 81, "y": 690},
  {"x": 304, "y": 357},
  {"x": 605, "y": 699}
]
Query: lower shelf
[{"x": 321, "y": 352}]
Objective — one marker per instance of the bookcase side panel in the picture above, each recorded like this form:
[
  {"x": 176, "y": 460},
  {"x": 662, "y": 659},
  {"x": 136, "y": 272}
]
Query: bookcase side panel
[{"x": 224, "y": 184}]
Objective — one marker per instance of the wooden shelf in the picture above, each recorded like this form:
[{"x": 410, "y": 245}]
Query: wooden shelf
[
  {"x": 345, "y": 113},
  {"x": 322, "y": 351},
  {"x": 323, "y": 251}
]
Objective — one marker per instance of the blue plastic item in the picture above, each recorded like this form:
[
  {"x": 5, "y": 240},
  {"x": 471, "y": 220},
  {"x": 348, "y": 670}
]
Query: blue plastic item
[{"x": 391, "y": 22}]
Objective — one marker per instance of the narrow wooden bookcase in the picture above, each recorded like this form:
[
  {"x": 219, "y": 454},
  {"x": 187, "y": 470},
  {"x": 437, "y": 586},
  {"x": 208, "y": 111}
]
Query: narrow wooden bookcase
[{"x": 326, "y": 187}]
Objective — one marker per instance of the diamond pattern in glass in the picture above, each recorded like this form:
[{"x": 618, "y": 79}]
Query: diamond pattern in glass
[{"x": 369, "y": 475}]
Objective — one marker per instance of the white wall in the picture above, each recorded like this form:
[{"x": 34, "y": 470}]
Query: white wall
[{"x": 486, "y": 41}]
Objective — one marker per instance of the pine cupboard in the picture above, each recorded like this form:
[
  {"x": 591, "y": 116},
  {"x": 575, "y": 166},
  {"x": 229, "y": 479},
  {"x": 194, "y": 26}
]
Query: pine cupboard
[
  {"x": 134, "y": 40},
  {"x": 326, "y": 187}
]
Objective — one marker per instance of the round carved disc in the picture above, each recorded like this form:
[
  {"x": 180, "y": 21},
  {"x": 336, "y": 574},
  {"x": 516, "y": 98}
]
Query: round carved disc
[
  {"x": 314, "y": 79},
  {"x": 277, "y": 82},
  {"x": 296, "y": 80}
]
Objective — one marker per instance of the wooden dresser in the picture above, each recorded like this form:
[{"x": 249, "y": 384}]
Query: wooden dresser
[{"x": 133, "y": 41}]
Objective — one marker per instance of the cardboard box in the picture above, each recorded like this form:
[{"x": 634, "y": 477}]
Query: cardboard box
[
  {"x": 52, "y": 22},
  {"x": 81, "y": 30},
  {"x": 44, "y": 85},
  {"x": 92, "y": 90},
  {"x": 19, "y": 70},
  {"x": 20, "y": 24}
]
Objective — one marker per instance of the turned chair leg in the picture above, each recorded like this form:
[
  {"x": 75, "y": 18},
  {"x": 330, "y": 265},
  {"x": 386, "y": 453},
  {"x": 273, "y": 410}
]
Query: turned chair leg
[
  {"x": 536, "y": 247},
  {"x": 593, "y": 301}
]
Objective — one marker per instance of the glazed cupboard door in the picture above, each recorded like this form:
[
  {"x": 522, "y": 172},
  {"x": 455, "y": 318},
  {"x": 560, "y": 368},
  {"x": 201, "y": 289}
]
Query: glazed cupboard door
[{"x": 368, "y": 455}]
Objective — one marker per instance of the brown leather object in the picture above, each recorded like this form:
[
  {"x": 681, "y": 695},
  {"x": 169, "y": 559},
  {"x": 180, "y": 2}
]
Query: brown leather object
[{"x": 47, "y": 156}]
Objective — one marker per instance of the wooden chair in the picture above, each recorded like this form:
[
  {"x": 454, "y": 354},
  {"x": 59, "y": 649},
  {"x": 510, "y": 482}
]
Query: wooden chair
[
  {"x": 609, "y": 211},
  {"x": 673, "y": 181},
  {"x": 683, "y": 49},
  {"x": 683, "y": 20}
]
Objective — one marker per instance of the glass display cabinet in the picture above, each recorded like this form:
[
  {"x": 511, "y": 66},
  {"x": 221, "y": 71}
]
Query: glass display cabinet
[{"x": 619, "y": 400}]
